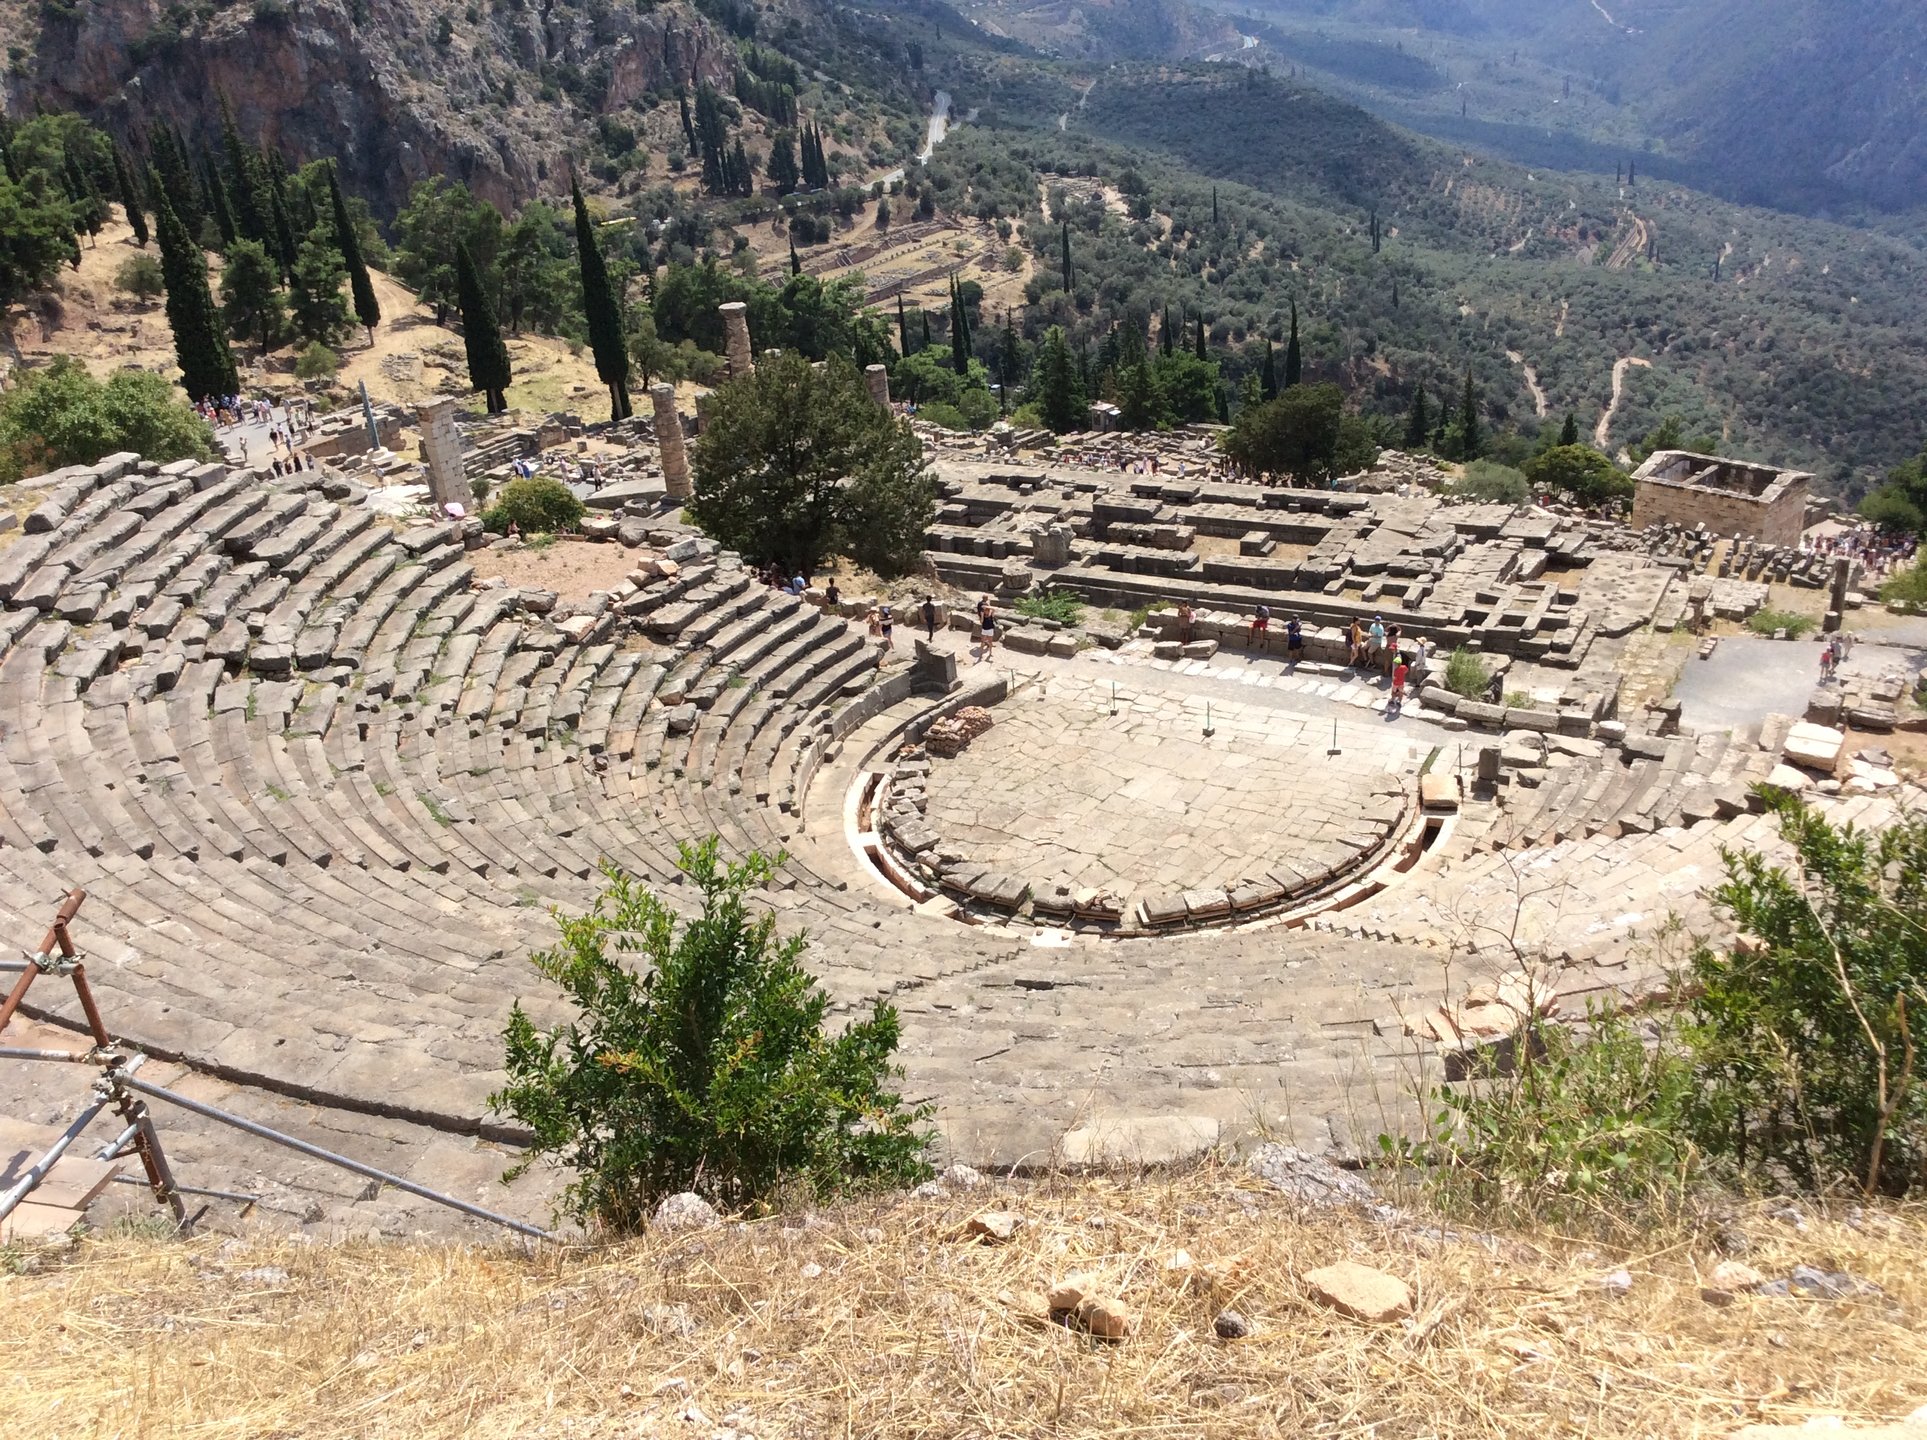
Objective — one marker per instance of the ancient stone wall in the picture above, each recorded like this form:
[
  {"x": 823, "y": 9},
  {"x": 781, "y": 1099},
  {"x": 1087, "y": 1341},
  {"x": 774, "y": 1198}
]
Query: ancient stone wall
[{"x": 1727, "y": 497}]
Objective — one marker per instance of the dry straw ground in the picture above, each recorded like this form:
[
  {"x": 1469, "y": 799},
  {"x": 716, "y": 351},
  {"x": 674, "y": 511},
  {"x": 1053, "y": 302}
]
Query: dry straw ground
[{"x": 875, "y": 1320}]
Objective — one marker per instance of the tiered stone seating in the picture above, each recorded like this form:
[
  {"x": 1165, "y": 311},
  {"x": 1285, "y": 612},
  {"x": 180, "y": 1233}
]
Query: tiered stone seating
[{"x": 322, "y": 787}]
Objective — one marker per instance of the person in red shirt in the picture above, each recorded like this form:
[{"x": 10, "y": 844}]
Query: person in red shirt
[{"x": 1400, "y": 672}]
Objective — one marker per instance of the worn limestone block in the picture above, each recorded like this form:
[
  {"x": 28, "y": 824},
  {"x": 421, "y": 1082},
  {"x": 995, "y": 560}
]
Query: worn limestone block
[{"x": 1360, "y": 1292}]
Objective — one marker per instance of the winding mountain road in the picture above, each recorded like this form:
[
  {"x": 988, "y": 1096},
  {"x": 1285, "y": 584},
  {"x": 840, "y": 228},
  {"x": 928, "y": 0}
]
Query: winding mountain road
[{"x": 1602, "y": 432}]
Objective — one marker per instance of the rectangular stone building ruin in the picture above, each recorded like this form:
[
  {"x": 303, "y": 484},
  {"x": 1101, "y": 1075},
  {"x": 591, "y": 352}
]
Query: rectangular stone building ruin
[{"x": 1729, "y": 497}]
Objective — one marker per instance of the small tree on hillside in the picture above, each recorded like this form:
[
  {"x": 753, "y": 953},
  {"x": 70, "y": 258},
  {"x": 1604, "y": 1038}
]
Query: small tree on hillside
[
  {"x": 1294, "y": 353},
  {"x": 799, "y": 463},
  {"x": 1418, "y": 423},
  {"x": 1297, "y": 435},
  {"x": 319, "y": 309},
  {"x": 251, "y": 294},
  {"x": 1579, "y": 471},
  {"x": 207, "y": 365},
  {"x": 1056, "y": 386},
  {"x": 701, "y": 1060}
]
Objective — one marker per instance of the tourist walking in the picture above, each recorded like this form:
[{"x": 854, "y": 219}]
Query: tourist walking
[
  {"x": 1376, "y": 646},
  {"x": 887, "y": 628},
  {"x": 1294, "y": 640},
  {"x": 1184, "y": 622},
  {"x": 1400, "y": 674},
  {"x": 930, "y": 619},
  {"x": 1354, "y": 644},
  {"x": 1391, "y": 647},
  {"x": 1260, "y": 625},
  {"x": 986, "y": 627},
  {"x": 832, "y": 597}
]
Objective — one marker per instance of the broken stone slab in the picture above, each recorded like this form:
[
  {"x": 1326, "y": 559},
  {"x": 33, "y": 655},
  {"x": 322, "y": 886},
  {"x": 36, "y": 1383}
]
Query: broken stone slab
[
  {"x": 1814, "y": 747},
  {"x": 1360, "y": 1292},
  {"x": 1438, "y": 793},
  {"x": 1140, "y": 1140}
]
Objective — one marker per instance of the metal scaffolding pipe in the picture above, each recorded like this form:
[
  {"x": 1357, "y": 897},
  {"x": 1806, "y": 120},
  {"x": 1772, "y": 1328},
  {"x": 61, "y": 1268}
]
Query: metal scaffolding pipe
[
  {"x": 263, "y": 1132},
  {"x": 114, "y": 1149},
  {"x": 38, "y": 1170},
  {"x": 22, "y": 1052}
]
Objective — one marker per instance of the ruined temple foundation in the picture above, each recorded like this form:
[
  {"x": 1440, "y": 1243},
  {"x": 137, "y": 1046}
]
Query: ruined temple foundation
[
  {"x": 736, "y": 335},
  {"x": 675, "y": 458}
]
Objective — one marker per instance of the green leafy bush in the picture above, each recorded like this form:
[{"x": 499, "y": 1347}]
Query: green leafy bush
[
  {"x": 58, "y": 414},
  {"x": 1805, "y": 1031},
  {"x": 699, "y": 1060},
  {"x": 937, "y": 412},
  {"x": 1491, "y": 482},
  {"x": 1908, "y": 588},
  {"x": 1768, "y": 622},
  {"x": 1583, "y": 1128},
  {"x": 1466, "y": 675},
  {"x": 140, "y": 276},
  {"x": 534, "y": 505},
  {"x": 1059, "y": 605},
  {"x": 316, "y": 362}
]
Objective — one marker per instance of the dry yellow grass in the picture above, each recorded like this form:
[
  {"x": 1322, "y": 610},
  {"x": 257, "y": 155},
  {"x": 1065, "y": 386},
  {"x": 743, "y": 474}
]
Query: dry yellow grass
[{"x": 875, "y": 1320}]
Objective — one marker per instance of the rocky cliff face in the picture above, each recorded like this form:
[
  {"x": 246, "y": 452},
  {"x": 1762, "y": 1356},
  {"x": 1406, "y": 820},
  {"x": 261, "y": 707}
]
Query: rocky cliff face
[{"x": 375, "y": 85}]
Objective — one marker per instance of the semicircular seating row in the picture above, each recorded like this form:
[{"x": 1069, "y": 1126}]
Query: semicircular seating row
[{"x": 322, "y": 787}]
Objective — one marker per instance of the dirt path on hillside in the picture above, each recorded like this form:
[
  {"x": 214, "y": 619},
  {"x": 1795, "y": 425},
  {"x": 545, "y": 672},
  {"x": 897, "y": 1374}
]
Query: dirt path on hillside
[
  {"x": 1532, "y": 382},
  {"x": 1064, "y": 120},
  {"x": 1602, "y": 432},
  {"x": 1632, "y": 247}
]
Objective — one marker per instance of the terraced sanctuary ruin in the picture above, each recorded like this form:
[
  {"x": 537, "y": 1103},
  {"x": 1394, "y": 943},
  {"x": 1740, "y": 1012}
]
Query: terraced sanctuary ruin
[{"x": 322, "y": 786}]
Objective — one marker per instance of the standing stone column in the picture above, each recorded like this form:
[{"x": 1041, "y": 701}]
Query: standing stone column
[
  {"x": 675, "y": 459},
  {"x": 442, "y": 453},
  {"x": 1837, "y": 599},
  {"x": 736, "y": 331},
  {"x": 878, "y": 378}
]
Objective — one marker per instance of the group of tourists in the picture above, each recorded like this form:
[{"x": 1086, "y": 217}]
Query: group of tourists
[
  {"x": 1836, "y": 649},
  {"x": 1376, "y": 646},
  {"x": 1878, "y": 551}
]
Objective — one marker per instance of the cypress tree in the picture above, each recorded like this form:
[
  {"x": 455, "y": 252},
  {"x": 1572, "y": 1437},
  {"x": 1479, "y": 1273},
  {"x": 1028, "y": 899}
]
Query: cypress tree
[
  {"x": 130, "y": 200},
  {"x": 1418, "y": 425},
  {"x": 1214, "y": 204},
  {"x": 1395, "y": 294},
  {"x": 1294, "y": 357},
  {"x": 1200, "y": 345},
  {"x": 245, "y": 198},
  {"x": 1067, "y": 258},
  {"x": 1166, "y": 341},
  {"x": 603, "y": 309},
  {"x": 1268, "y": 376},
  {"x": 215, "y": 189},
  {"x": 903, "y": 327},
  {"x": 172, "y": 174},
  {"x": 1055, "y": 385},
  {"x": 1007, "y": 366},
  {"x": 1473, "y": 441},
  {"x": 207, "y": 365},
  {"x": 488, "y": 354},
  {"x": 926, "y": 328},
  {"x": 796, "y": 264},
  {"x": 360, "y": 288},
  {"x": 1443, "y": 428},
  {"x": 286, "y": 250},
  {"x": 1569, "y": 432},
  {"x": 959, "y": 330}
]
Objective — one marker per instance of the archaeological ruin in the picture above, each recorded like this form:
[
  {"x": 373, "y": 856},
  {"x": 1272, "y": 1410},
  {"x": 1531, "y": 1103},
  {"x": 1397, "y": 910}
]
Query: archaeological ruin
[
  {"x": 1137, "y": 883},
  {"x": 1728, "y": 497}
]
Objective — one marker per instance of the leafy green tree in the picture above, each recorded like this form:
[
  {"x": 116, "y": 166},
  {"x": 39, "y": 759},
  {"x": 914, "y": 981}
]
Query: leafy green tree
[
  {"x": 1804, "y": 1033},
  {"x": 541, "y": 287},
  {"x": 1187, "y": 387},
  {"x": 1900, "y": 506},
  {"x": 487, "y": 353},
  {"x": 1140, "y": 402},
  {"x": 1579, "y": 471},
  {"x": 58, "y": 414},
  {"x": 602, "y": 307},
  {"x": 701, "y": 1060},
  {"x": 207, "y": 365},
  {"x": 36, "y": 237},
  {"x": 439, "y": 214},
  {"x": 1056, "y": 386},
  {"x": 781, "y": 170},
  {"x": 251, "y": 294},
  {"x": 316, "y": 303},
  {"x": 316, "y": 362},
  {"x": 1296, "y": 435},
  {"x": 1294, "y": 353},
  {"x": 1491, "y": 482},
  {"x": 361, "y": 288},
  {"x": 799, "y": 463},
  {"x": 1569, "y": 432},
  {"x": 140, "y": 276}
]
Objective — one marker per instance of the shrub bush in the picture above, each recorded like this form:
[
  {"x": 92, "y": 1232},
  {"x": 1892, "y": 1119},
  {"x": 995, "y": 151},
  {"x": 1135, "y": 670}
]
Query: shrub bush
[
  {"x": 535, "y": 505},
  {"x": 1767, "y": 622},
  {"x": 1466, "y": 675},
  {"x": 1908, "y": 588},
  {"x": 699, "y": 1061},
  {"x": 316, "y": 362},
  {"x": 1491, "y": 482},
  {"x": 1059, "y": 605},
  {"x": 937, "y": 412},
  {"x": 140, "y": 276}
]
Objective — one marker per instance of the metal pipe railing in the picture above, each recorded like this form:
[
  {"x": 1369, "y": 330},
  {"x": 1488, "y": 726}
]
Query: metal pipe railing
[
  {"x": 264, "y": 1132},
  {"x": 24, "y": 1186}
]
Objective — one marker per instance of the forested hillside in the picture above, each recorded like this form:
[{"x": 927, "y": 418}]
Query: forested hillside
[{"x": 768, "y": 152}]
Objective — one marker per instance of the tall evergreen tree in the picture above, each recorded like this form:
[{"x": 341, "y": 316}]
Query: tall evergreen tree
[
  {"x": 1268, "y": 376},
  {"x": 959, "y": 330},
  {"x": 89, "y": 210},
  {"x": 926, "y": 328},
  {"x": 796, "y": 263},
  {"x": 1395, "y": 293},
  {"x": 782, "y": 169},
  {"x": 1214, "y": 204},
  {"x": 1007, "y": 359},
  {"x": 488, "y": 353},
  {"x": 1294, "y": 356},
  {"x": 1569, "y": 432},
  {"x": 207, "y": 365},
  {"x": 603, "y": 309},
  {"x": 360, "y": 288},
  {"x": 1055, "y": 385},
  {"x": 1200, "y": 345},
  {"x": 1167, "y": 341},
  {"x": 286, "y": 250},
  {"x": 1472, "y": 441},
  {"x": 1418, "y": 424},
  {"x": 242, "y": 171},
  {"x": 903, "y": 327},
  {"x": 130, "y": 200},
  {"x": 172, "y": 174},
  {"x": 214, "y": 190},
  {"x": 319, "y": 311},
  {"x": 1067, "y": 259},
  {"x": 251, "y": 294}
]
